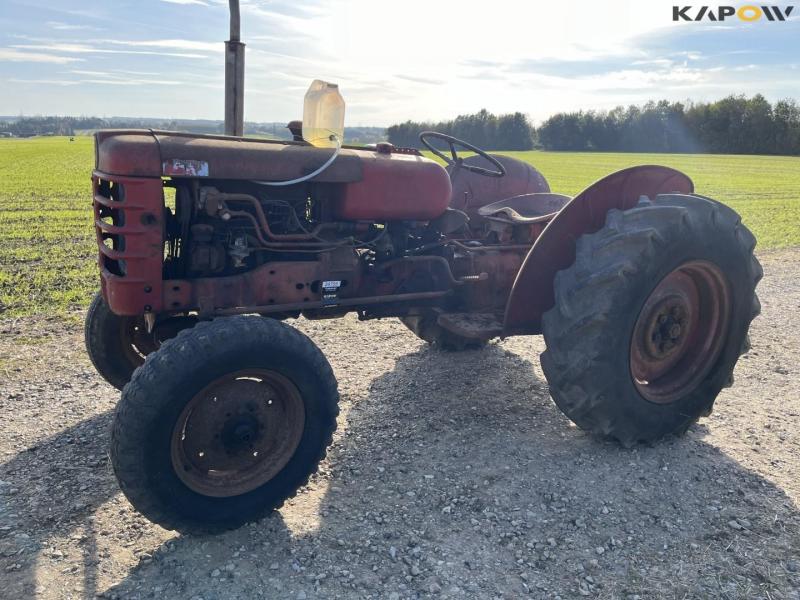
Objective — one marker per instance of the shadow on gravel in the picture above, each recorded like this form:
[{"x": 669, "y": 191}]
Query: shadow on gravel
[
  {"x": 457, "y": 476},
  {"x": 61, "y": 483}
]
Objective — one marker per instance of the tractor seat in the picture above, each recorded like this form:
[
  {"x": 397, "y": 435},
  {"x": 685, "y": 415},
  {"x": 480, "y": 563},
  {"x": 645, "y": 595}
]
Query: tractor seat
[{"x": 525, "y": 209}]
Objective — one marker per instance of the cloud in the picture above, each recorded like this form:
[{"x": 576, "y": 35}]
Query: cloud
[
  {"x": 60, "y": 82},
  {"x": 197, "y": 2},
  {"x": 424, "y": 80},
  {"x": 102, "y": 81},
  {"x": 117, "y": 73},
  {"x": 12, "y": 55},
  {"x": 134, "y": 82},
  {"x": 59, "y": 26},
  {"x": 176, "y": 44},
  {"x": 87, "y": 49}
]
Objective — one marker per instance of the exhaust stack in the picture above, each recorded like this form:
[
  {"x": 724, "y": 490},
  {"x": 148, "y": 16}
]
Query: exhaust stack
[{"x": 234, "y": 76}]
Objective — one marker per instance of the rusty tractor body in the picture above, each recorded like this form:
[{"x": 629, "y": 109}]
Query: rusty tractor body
[{"x": 644, "y": 292}]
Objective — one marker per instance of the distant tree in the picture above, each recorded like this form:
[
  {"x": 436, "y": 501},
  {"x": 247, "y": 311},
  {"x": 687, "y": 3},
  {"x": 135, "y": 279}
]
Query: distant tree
[
  {"x": 564, "y": 131},
  {"x": 482, "y": 129},
  {"x": 786, "y": 115},
  {"x": 514, "y": 132}
]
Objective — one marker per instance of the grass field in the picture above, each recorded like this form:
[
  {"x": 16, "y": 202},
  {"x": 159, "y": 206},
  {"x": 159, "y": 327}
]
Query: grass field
[{"x": 47, "y": 252}]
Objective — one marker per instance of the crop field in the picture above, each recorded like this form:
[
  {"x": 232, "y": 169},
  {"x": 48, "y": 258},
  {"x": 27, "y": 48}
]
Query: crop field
[{"x": 47, "y": 253}]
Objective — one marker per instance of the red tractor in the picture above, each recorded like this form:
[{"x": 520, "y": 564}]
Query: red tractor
[{"x": 643, "y": 290}]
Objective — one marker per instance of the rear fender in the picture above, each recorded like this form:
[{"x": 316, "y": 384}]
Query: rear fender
[{"x": 554, "y": 250}]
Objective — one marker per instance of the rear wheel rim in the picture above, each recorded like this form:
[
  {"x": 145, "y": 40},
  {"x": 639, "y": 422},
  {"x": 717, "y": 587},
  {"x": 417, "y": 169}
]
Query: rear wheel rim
[
  {"x": 680, "y": 332},
  {"x": 237, "y": 433}
]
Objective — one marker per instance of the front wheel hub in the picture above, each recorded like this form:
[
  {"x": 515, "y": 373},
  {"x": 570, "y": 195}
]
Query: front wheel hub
[
  {"x": 680, "y": 332},
  {"x": 237, "y": 433}
]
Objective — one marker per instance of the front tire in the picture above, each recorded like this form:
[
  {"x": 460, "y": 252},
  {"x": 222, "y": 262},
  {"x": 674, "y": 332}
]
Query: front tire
[
  {"x": 111, "y": 343},
  {"x": 223, "y": 423},
  {"x": 651, "y": 318},
  {"x": 117, "y": 345}
]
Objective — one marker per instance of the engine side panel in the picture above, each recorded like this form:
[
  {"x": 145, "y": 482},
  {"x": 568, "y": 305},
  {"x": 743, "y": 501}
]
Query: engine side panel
[
  {"x": 395, "y": 187},
  {"x": 554, "y": 250}
]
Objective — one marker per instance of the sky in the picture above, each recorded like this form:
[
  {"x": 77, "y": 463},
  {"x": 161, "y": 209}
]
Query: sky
[{"x": 414, "y": 59}]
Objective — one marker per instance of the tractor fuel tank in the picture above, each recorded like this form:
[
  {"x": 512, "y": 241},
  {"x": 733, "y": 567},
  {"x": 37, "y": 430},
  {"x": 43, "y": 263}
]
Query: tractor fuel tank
[{"x": 395, "y": 187}]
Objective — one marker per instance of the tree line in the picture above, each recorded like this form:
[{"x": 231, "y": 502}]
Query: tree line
[
  {"x": 483, "y": 129},
  {"x": 733, "y": 125},
  {"x": 30, "y": 126}
]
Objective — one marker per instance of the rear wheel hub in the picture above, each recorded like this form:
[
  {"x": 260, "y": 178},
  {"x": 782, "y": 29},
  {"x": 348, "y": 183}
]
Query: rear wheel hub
[{"x": 680, "y": 332}]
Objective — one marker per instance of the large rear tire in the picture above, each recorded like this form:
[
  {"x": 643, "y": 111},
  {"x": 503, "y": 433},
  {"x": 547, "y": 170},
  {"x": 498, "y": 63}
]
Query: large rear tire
[
  {"x": 651, "y": 318},
  {"x": 223, "y": 423}
]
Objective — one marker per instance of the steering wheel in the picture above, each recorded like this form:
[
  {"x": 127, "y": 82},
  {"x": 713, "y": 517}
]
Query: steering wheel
[{"x": 454, "y": 160}]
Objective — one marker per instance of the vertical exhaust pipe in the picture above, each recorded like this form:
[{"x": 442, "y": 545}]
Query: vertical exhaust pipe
[{"x": 234, "y": 76}]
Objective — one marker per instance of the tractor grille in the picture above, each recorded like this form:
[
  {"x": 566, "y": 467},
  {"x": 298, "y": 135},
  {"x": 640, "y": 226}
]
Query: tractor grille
[
  {"x": 128, "y": 220},
  {"x": 109, "y": 225}
]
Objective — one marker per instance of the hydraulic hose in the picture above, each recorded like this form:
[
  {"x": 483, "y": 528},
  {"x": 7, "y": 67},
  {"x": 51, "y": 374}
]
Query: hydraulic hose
[{"x": 327, "y": 164}]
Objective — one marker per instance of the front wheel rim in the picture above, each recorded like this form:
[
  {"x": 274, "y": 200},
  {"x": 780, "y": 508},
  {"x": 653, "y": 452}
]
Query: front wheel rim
[
  {"x": 237, "y": 433},
  {"x": 680, "y": 332}
]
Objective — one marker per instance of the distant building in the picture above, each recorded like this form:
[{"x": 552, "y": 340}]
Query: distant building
[{"x": 6, "y": 134}]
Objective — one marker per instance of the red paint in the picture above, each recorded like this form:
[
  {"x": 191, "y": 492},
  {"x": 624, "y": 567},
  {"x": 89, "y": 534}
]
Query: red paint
[
  {"x": 145, "y": 153},
  {"x": 554, "y": 250},
  {"x": 395, "y": 187},
  {"x": 471, "y": 191}
]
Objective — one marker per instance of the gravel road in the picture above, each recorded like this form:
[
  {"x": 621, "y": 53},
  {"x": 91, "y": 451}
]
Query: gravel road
[{"x": 451, "y": 475}]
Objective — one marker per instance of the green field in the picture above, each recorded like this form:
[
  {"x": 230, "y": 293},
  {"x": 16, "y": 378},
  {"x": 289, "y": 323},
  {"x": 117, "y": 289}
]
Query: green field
[{"x": 47, "y": 253}]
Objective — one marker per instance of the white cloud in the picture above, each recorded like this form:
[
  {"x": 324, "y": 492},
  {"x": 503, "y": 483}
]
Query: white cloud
[
  {"x": 88, "y": 49},
  {"x": 198, "y": 2},
  {"x": 176, "y": 44},
  {"x": 104, "y": 81},
  {"x": 126, "y": 82},
  {"x": 116, "y": 73},
  {"x": 12, "y": 55},
  {"x": 59, "y": 26},
  {"x": 59, "y": 82}
]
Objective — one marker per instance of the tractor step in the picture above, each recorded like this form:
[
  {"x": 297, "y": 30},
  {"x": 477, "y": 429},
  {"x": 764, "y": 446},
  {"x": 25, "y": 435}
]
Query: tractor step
[{"x": 474, "y": 326}]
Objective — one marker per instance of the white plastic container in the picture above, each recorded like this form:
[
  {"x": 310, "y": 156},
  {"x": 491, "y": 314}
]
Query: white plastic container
[{"x": 323, "y": 115}]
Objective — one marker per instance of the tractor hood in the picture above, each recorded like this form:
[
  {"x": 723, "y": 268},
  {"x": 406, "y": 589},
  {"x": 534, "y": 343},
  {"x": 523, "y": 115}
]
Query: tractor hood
[
  {"x": 385, "y": 183},
  {"x": 148, "y": 153}
]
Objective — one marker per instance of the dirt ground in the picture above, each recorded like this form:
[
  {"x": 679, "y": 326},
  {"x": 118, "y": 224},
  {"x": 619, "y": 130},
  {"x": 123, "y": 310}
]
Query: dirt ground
[{"x": 451, "y": 475}]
